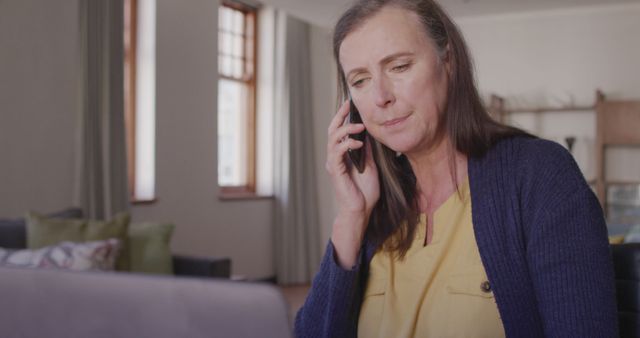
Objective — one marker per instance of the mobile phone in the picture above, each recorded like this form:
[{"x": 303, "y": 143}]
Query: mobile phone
[{"x": 356, "y": 155}]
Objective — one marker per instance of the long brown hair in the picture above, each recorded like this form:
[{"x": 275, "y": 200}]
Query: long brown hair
[{"x": 465, "y": 121}]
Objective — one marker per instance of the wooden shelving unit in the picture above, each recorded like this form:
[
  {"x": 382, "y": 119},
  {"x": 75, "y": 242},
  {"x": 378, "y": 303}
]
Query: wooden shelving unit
[{"x": 617, "y": 124}]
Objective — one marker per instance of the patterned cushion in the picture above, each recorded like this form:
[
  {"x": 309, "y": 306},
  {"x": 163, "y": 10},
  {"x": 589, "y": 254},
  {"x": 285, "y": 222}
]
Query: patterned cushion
[
  {"x": 44, "y": 231},
  {"x": 96, "y": 255}
]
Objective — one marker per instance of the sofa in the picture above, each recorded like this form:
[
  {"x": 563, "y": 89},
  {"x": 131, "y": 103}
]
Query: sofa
[
  {"x": 53, "y": 302},
  {"x": 13, "y": 235},
  {"x": 626, "y": 261},
  {"x": 62, "y": 303}
]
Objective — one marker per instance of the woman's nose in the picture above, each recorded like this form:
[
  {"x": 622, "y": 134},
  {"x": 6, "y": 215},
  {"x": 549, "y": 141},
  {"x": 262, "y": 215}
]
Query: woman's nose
[{"x": 383, "y": 93}]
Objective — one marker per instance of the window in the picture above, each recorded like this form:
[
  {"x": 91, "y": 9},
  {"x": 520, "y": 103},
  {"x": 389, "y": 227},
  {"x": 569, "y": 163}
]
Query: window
[
  {"x": 139, "y": 97},
  {"x": 236, "y": 98}
]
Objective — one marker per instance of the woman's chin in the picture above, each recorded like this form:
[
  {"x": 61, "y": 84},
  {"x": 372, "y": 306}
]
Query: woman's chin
[{"x": 400, "y": 147}]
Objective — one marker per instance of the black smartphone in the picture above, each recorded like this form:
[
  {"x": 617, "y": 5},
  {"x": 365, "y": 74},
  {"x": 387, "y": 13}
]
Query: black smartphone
[{"x": 356, "y": 155}]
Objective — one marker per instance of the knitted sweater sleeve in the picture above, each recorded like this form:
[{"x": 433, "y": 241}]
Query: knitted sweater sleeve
[
  {"x": 331, "y": 307},
  {"x": 568, "y": 251}
]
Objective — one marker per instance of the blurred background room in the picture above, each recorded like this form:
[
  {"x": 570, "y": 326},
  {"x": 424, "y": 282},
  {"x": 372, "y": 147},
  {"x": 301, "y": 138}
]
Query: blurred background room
[{"x": 212, "y": 115}]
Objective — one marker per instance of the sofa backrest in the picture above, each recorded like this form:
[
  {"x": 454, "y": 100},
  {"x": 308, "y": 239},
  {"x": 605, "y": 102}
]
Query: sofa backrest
[
  {"x": 626, "y": 261},
  {"x": 13, "y": 232},
  {"x": 54, "y": 303}
]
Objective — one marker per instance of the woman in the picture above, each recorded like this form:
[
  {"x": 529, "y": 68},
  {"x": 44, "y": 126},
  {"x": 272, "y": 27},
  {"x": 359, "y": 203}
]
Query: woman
[{"x": 458, "y": 226}]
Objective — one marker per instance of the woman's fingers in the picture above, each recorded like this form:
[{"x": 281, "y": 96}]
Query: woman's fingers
[
  {"x": 339, "y": 143},
  {"x": 341, "y": 133},
  {"x": 335, "y": 156},
  {"x": 349, "y": 144},
  {"x": 338, "y": 119}
]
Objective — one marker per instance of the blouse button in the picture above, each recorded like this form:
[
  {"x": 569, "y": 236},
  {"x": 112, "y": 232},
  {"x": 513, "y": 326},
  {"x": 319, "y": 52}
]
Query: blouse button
[{"x": 485, "y": 286}]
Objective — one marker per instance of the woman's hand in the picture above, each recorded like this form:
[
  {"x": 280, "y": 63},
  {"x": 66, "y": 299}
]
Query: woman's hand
[{"x": 356, "y": 193}]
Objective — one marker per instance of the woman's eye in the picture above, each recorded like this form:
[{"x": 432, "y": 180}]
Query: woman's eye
[
  {"x": 357, "y": 83},
  {"x": 401, "y": 67}
]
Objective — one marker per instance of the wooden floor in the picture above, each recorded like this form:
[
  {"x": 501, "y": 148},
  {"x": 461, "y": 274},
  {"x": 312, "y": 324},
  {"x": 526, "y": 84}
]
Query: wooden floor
[{"x": 295, "y": 296}]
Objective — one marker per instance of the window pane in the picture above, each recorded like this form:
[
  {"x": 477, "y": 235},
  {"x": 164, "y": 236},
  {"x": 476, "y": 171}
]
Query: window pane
[
  {"x": 234, "y": 96},
  {"x": 227, "y": 65},
  {"x": 237, "y": 68},
  {"x": 227, "y": 46},
  {"x": 227, "y": 15},
  {"x": 145, "y": 102},
  {"x": 238, "y": 22},
  {"x": 237, "y": 45},
  {"x": 232, "y": 133}
]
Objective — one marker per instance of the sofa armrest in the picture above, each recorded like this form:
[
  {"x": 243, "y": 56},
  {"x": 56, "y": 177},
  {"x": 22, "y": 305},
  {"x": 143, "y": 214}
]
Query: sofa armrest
[{"x": 202, "y": 267}]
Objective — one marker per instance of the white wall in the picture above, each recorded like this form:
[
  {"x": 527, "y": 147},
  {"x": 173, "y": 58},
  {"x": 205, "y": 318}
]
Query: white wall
[
  {"x": 38, "y": 104},
  {"x": 553, "y": 58}
]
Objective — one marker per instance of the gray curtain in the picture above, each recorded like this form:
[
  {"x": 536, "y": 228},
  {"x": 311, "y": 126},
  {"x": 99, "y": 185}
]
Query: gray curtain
[
  {"x": 297, "y": 230},
  {"x": 101, "y": 162}
]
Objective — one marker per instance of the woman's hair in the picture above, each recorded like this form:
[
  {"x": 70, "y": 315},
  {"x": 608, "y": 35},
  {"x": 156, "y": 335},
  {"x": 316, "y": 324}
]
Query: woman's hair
[{"x": 465, "y": 121}]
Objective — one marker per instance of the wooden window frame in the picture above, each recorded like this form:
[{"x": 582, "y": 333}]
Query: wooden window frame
[{"x": 247, "y": 191}]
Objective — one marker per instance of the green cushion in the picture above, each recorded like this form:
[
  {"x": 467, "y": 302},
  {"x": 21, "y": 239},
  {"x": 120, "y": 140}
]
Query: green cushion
[
  {"x": 43, "y": 231},
  {"x": 149, "y": 245}
]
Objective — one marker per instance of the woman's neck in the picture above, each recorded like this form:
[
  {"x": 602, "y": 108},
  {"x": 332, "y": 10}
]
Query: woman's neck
[{"x": 434, "y": 174}]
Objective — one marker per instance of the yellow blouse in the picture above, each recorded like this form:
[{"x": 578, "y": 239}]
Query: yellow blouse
[{"x": 440, "y": 290}]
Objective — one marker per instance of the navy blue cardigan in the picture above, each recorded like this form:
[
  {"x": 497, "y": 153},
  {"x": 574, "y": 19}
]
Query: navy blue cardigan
[{"x": 543, "y": 243}]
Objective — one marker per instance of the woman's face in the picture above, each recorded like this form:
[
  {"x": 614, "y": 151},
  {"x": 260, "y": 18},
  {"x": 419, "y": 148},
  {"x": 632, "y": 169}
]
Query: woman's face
[{"x": 396, "y": 79}]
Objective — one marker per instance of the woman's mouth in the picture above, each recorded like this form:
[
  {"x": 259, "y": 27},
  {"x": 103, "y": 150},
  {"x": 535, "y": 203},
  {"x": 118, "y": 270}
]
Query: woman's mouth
[{"x": 395, "y": 122}]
